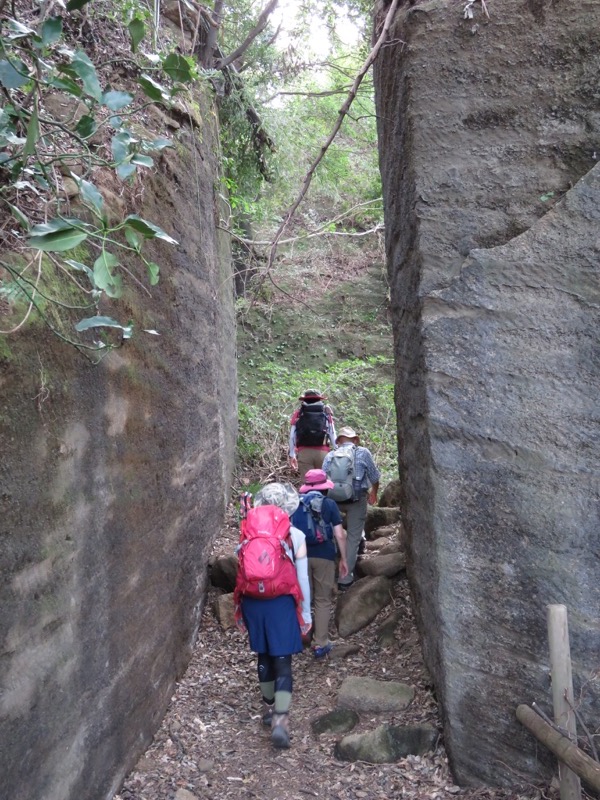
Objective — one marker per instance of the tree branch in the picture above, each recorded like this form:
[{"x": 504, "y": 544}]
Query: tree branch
[
  {"x": 341, "y": 114},
  {"x": 214, "y": 23},
  {"x": 261, "y": 23}
]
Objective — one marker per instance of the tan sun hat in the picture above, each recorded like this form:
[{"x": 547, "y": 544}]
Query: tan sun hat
[{"x": 348, "y": 433}]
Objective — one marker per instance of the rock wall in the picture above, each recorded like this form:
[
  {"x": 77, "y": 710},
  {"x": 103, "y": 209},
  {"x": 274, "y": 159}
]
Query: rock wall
[
  {"x": 489, "y": 136},
  {"x": 114, "y": 480}
]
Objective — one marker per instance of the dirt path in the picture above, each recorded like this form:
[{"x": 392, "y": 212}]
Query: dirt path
[{"x": 211, "y": 744}]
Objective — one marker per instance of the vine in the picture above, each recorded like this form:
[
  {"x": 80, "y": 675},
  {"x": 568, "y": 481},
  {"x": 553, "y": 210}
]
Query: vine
[{"x": 42, "y": 150}]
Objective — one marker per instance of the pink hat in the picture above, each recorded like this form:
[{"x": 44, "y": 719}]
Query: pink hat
[{"x": 315, "y": 479}]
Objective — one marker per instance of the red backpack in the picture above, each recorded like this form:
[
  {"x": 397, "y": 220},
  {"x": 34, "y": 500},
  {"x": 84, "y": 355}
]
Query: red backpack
[{"x": 265, "y": 556}]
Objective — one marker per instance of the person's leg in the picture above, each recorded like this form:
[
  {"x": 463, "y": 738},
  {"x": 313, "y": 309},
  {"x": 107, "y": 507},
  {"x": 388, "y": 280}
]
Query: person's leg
[
  {"x": 304, "y": 462},
  {"x": 356, "y": 514},
  {"x": 322, "y": 572},
  {"x": 283, "y": 697},
  {"x": 318, "y": 458},
  {"x": 310, "y": 458},
  {"x": 266, "y": 682}
]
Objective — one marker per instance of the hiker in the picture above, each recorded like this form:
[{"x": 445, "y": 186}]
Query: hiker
[
  {"x": 276, "y": 613},
  {"x": 355, "y": 479},
  {"x": 320, "y": 520},
  {"x": 312, "y": 432}
]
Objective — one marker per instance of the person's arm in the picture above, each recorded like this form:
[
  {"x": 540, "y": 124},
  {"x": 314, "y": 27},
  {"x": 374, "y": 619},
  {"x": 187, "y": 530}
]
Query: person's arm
[
  {"x": 302, "y": 573},
  {"x": 301, "y": 564},
  {"x": 373, "y": 476},
  {"x": 292, "y": 447},
  {"x": 331, "y": 430},
  {"x": 372, "y": 496},
  {"x": 340, "y": 537}
]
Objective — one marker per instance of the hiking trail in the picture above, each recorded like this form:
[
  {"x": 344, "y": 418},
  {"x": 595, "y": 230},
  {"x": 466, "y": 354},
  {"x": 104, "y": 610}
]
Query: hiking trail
[{"x": 211, "y": 744}]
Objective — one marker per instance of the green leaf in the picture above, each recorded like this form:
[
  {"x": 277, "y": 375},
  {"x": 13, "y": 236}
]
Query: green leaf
[
  {"x": 19, "y": 30},
  {"x": 126, "y": 170},
  {"x": 143, "y": 161},
  {"x": 19, "y": 216},
  {"x": 89, "y": 194},
  {"x": 153, "y": 271},
  {"x": 545, "y": 197},
  {"x": 152, "y": 89},
  {"x": 120, "y": 145},
  {"x": 137, "y": 31},
  {"x": 10, "y": 76},
  {"x": 59, "y": 241},
  {"x": 86, "y": 126},
  {"x": 79, "y": 267},
  {"x": 84, "y": 69},
  {"x": 177, "y": 68},
  {"x": 73, "y": 5},
  {"x": 116, "y": 100},
  {"x": 104, "y": 278},
  {"x": 100, "y": 322},
  {"x": 148, "y": 229},
  {"x": 33, "y": 133},
  {"x": 11, "y": 138},
  {"x": 63, "y": 224},
  {"x": 159, "y": 144},
  {"x": 67, "y": 85},
  {"x": 51, "y": 30},
  {"x": 133, "y": 239}
]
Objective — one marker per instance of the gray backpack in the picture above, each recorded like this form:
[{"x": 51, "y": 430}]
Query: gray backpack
[{"x": 340, "y": 471}]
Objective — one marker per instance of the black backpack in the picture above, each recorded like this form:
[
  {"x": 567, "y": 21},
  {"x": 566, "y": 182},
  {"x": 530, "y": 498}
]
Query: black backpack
[{"x": 311, "y": 426}]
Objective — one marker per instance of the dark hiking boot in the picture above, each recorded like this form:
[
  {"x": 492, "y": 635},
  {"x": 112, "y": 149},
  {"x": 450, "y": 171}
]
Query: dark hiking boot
[
  {"x": 267, "y": 717},
  {"x": 280, "y": 736}
]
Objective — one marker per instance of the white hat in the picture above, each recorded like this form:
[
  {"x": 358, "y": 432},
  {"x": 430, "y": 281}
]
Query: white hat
[{"x": 282, "y": 495}]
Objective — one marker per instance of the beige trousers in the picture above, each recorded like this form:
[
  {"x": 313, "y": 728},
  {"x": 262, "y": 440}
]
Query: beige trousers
[
  {"x": 321, "y": 573},
  {"x": 310, "y": 458}
]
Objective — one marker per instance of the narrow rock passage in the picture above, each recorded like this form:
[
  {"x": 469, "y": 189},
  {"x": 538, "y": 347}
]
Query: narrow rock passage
[{"x": 212, "y": 745}]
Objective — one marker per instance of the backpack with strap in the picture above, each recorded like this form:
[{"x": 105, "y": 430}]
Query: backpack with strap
[
  {"x": 265, "y": 556},
  {"x": 311, "y": 425},
  {"x": 340, "y": 471},
  {"x": 309, "y": 519}
]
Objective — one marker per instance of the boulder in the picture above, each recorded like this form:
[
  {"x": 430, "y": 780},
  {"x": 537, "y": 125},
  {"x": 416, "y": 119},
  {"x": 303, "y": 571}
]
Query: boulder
[
  {"x": 492, "y": 205},
  {"x": 386, "y": 532},
  {"x": 360, "y": 604},
  {"x": 390, "y": 495},
  {"x": 386, "y": 633},
  {"x": 387, "y": 744},
  {"x": 223, "y": 608},
  {"x": 223, "y": 572},
  {"x": 343, "y": 651},
  {"x": 390, "y": 564},
  {"x": 396, "y": 545},
  {"x": 380, "y": 517},
  {"x": 340, "y": 720},
  {"x": 376, "y": 545},
  {"x": 372, "y": 696}
]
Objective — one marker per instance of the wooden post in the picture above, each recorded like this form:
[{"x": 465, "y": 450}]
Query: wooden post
[
  {"x": 562, "y": 693},
  {"x": 577, "y": 760}
]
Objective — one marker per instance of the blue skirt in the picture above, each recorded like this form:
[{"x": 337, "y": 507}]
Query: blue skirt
[{"x": 272, "y": 625}]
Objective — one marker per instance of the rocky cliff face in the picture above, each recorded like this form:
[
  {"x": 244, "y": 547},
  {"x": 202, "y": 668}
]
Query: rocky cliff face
[
  {"x": 489, "y": 138},
  {"x": 113, "y": 482}
]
